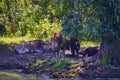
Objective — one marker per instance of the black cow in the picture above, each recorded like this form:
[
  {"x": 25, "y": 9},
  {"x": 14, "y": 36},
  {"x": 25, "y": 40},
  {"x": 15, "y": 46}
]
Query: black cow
[
  {"x": 91, "y": 51},
  {"x": 75, "y": 46}
]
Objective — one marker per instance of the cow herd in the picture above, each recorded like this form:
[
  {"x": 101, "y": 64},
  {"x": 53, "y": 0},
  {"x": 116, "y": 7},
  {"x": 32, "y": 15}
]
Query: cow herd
[{"x": 57, "y": 44}]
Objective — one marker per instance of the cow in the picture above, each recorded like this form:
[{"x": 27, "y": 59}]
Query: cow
[
  {"x": 59, "y": 42},
  {"x": 32, "y": 47},
  {"x": 90, "y": 51},
  {"x": 75, "y": 46}
]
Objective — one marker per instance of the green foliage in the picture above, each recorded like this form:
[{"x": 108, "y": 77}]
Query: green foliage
[
  {"x": 27, "y": 18},
  {"x": 37, "y": 63},
  {"x": 53, "y": 62},
  {"x": 96, "y": 19},
  {"x": 60, "y": 63},
  {"x": 109, "y": 15},
  {"x": 81, "y": 21},
  {"x": 72, "y": 26},
  {"x": 65, "y": 74},
  {"x": 2, "y": 29},
  {"x": 1, "y": 11},
  {"x": 61, "y": 67},
  {"x": 88, "y": 19},
  {"x": 11, "y": 15}
]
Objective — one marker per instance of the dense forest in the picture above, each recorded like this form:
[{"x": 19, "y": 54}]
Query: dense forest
[
  {"x": 40, "y": 19},
  {"x": 90, "y": 20}
]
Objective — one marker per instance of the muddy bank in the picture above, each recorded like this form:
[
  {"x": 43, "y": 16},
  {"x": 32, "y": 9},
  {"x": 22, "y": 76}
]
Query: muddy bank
[
  {"x": 55, "y": 68},
  {"x": 10, "y": 75}
]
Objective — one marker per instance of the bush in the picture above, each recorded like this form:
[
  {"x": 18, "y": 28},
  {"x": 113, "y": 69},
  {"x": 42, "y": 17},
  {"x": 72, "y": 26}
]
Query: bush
[{"x": 2, "y": 29}]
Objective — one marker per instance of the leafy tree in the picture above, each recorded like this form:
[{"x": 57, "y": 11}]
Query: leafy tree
[
  {"x": 2, "y": 29},
  {"x": 80, "y": 20},
  {"x": 37, "y": 22},
  {"x": 101, "y": 16},
  {"x": 34, "y": 18},
  {"x": 12, "y": 10},
  {"x": 109, "y": 15}
]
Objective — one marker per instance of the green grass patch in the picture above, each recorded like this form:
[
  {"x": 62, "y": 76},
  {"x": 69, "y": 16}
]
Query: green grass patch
[
  {"x": 60, "y": 63},
  {"x": 73, "y": 66},
  {"x": 86, "y": 44},
  {"x": 14, "y": 40},
  {"x": 11, "y": 75},
  {"x": 54, "y": 63}
]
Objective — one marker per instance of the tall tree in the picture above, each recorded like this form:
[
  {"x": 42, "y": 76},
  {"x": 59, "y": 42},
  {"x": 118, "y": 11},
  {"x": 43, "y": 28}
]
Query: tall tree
[
  {"x": 109, "y": 15},
  {"x": 104, "y": 17},
  {"x": 79, "y": 19}
]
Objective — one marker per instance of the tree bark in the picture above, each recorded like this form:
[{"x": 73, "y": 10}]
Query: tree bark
[{"x": 112, "y": 49}]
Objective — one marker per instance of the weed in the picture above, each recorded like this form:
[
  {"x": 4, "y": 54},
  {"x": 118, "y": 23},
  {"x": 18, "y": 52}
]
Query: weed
[{"x": 105, "y": 59}]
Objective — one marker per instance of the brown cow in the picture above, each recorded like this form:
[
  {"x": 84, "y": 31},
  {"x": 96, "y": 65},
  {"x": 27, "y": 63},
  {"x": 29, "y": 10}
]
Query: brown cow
[{"x": 59, "y": 42}]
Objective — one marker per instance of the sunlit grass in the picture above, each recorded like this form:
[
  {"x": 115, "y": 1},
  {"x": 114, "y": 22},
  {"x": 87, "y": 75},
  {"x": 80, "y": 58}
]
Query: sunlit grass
[
  {"x": 14, "y": 40},
  {"x": 86, "y": 44}
]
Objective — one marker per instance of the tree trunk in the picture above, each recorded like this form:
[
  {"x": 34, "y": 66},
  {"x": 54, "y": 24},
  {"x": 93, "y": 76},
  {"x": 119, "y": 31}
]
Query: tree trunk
[{"x": 112, "y": 50}]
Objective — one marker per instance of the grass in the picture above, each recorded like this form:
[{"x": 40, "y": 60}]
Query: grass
[
  {"x": 11, "y": 75},
  {"x": 86, "y": 44},
  {"x": 16, "y": 40}
]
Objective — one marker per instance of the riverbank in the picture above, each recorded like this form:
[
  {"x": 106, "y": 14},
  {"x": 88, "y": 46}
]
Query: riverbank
[
  {"x": 12, "y": 75},
  {"x": 56, "y": 68}
]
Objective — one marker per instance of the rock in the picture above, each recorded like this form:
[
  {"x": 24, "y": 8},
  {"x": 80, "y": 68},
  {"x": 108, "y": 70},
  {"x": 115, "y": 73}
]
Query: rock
[{"x": 33, "y": 46}]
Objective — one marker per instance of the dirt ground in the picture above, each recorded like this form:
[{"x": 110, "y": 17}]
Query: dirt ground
[{"x": 10, "y": 60}]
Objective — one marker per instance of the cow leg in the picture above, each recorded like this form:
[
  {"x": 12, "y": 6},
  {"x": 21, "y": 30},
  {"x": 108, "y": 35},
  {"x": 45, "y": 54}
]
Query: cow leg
[
  {"x": 56, "y": 53},
  {"x": 73, "y": 52},
  {"x": 77, "y": 53}
]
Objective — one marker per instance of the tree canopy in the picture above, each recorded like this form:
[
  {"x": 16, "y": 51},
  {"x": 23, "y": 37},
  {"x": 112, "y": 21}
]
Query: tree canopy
[{"x": 88, "y": 19}]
